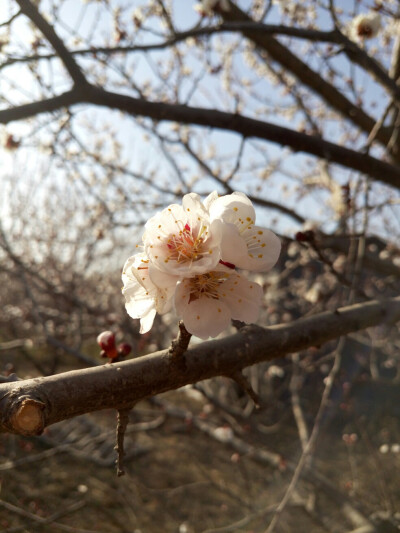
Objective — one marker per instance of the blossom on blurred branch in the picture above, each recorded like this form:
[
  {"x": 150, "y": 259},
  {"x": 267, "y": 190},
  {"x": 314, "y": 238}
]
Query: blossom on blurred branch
[
  {"x": 365, "y": 26},
  {"x": 207, "y": 8},
  {"x": 191, "y": 255}
]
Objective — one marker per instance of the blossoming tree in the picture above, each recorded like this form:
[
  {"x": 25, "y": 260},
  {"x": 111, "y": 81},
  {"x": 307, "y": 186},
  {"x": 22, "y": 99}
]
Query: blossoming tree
[{"x": 152, "y": 134}]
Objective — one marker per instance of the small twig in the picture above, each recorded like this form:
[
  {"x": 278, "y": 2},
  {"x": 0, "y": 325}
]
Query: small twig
[
  {"x": 39, "y": 520},
  {"x": 296, "y": 404},
  {"x": 234, "y": 526},
  {"x": 238, "y": 324},
  {"x": 310, "y": 239},
  {"x": 122, "y": 423},
  {"x": 245, "y": 384},
  {"x": 309, "y": 448},
  {"x": 181, "y": 343}
]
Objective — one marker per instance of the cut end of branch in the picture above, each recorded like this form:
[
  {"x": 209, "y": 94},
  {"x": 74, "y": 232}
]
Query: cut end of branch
[{"x": 28, "y": 419}]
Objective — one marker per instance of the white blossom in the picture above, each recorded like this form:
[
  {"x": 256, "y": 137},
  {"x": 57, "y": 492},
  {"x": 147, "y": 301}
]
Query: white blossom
[
  {"x": 143, "y": 297},
  {"x": 223, "y": 434},
  {"x": 365, "y": 26},
  {"x": 243, "y": 244},
  {"x": 206, "y": 8},
  {"x": 190, "y": 259},
  {"x": 207, "y": 302},
  {"x": 181, "y": 240}
]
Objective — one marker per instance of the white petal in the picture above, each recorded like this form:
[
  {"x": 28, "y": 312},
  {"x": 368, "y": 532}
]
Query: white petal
[
  {"x": 131, "y": 264},
  {"x": 234, "y": 208},
  {"x": 264, "y": 248},
  {"x": 146, "y": 322},
  {"x": 191, "y": 203},
  {"x": 166, "y": 285},
  {"x": 161, "y": 279},
  {"x": 137, "y": 304},
  {"x": 210, "y": 199},
  {"x": 243, "y": 297},
  {"x": 205, "y": 317},
  {"x": 233, "y": 246},
  {"x": 142, "y": 297}
]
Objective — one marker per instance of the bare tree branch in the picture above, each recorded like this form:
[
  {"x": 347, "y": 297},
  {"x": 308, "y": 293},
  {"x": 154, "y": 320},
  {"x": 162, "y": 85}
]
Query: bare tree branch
[
  {"x": 280, "y": 53},
  {"x": 27, "y": 407},
  {"x": 28, "y": 9},
  {"x": 248, "y": 127}
]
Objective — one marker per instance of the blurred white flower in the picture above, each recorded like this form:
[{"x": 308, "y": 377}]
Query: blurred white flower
[
  {"x": 223, "y": 434},
  {"x": 207, "y": 302},
  {"x": 314, "y": 293},
  {"x": 206, "y": 8},
  {"x": 276, "y": 371},
  {"x": 395, "y": 448},
  {"x": 384, "y": 448},
  {"x": 365, "y": 26}
]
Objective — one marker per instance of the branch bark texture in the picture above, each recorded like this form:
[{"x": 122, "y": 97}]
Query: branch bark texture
[{"x": 27, "y": 407}]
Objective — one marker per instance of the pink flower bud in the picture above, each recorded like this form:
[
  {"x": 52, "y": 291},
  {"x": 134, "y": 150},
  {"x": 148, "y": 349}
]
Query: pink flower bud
[
  {"x": 106, "y": 341},
  {"x": 124, "y": 349}
]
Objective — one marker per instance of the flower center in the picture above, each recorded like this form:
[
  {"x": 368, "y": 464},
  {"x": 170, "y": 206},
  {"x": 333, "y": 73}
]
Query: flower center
[
  {"x": 364, "y": 30},
  {"x": 207, "y": 285},
  {"x": 186, "y": 245}
]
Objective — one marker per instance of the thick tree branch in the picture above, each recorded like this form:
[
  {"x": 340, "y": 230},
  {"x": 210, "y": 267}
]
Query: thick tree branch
[
  {"x": 47, "y": 105},
  {"x": 27, "y": 407},
  {"x": 30, "y": 10},
  {"x": 248, "y": 127}
]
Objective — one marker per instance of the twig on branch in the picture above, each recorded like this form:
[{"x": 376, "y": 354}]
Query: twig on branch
[
  {"x": 39, "y": 520},
  {"x": 309, "y": 237},
  {"x": 245, "y": 384},
  {"x": 310, "y": 445},
  {"x": 122, "y": 424},
  {"x": 27, "y": 407},
  {"x": 181, "y": 343},
  {"x": 229, "y": 190}
]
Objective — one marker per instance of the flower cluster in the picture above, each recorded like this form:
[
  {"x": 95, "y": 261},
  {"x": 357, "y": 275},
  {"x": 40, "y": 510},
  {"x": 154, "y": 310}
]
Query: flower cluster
[{"x": 190, "y": 260}]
